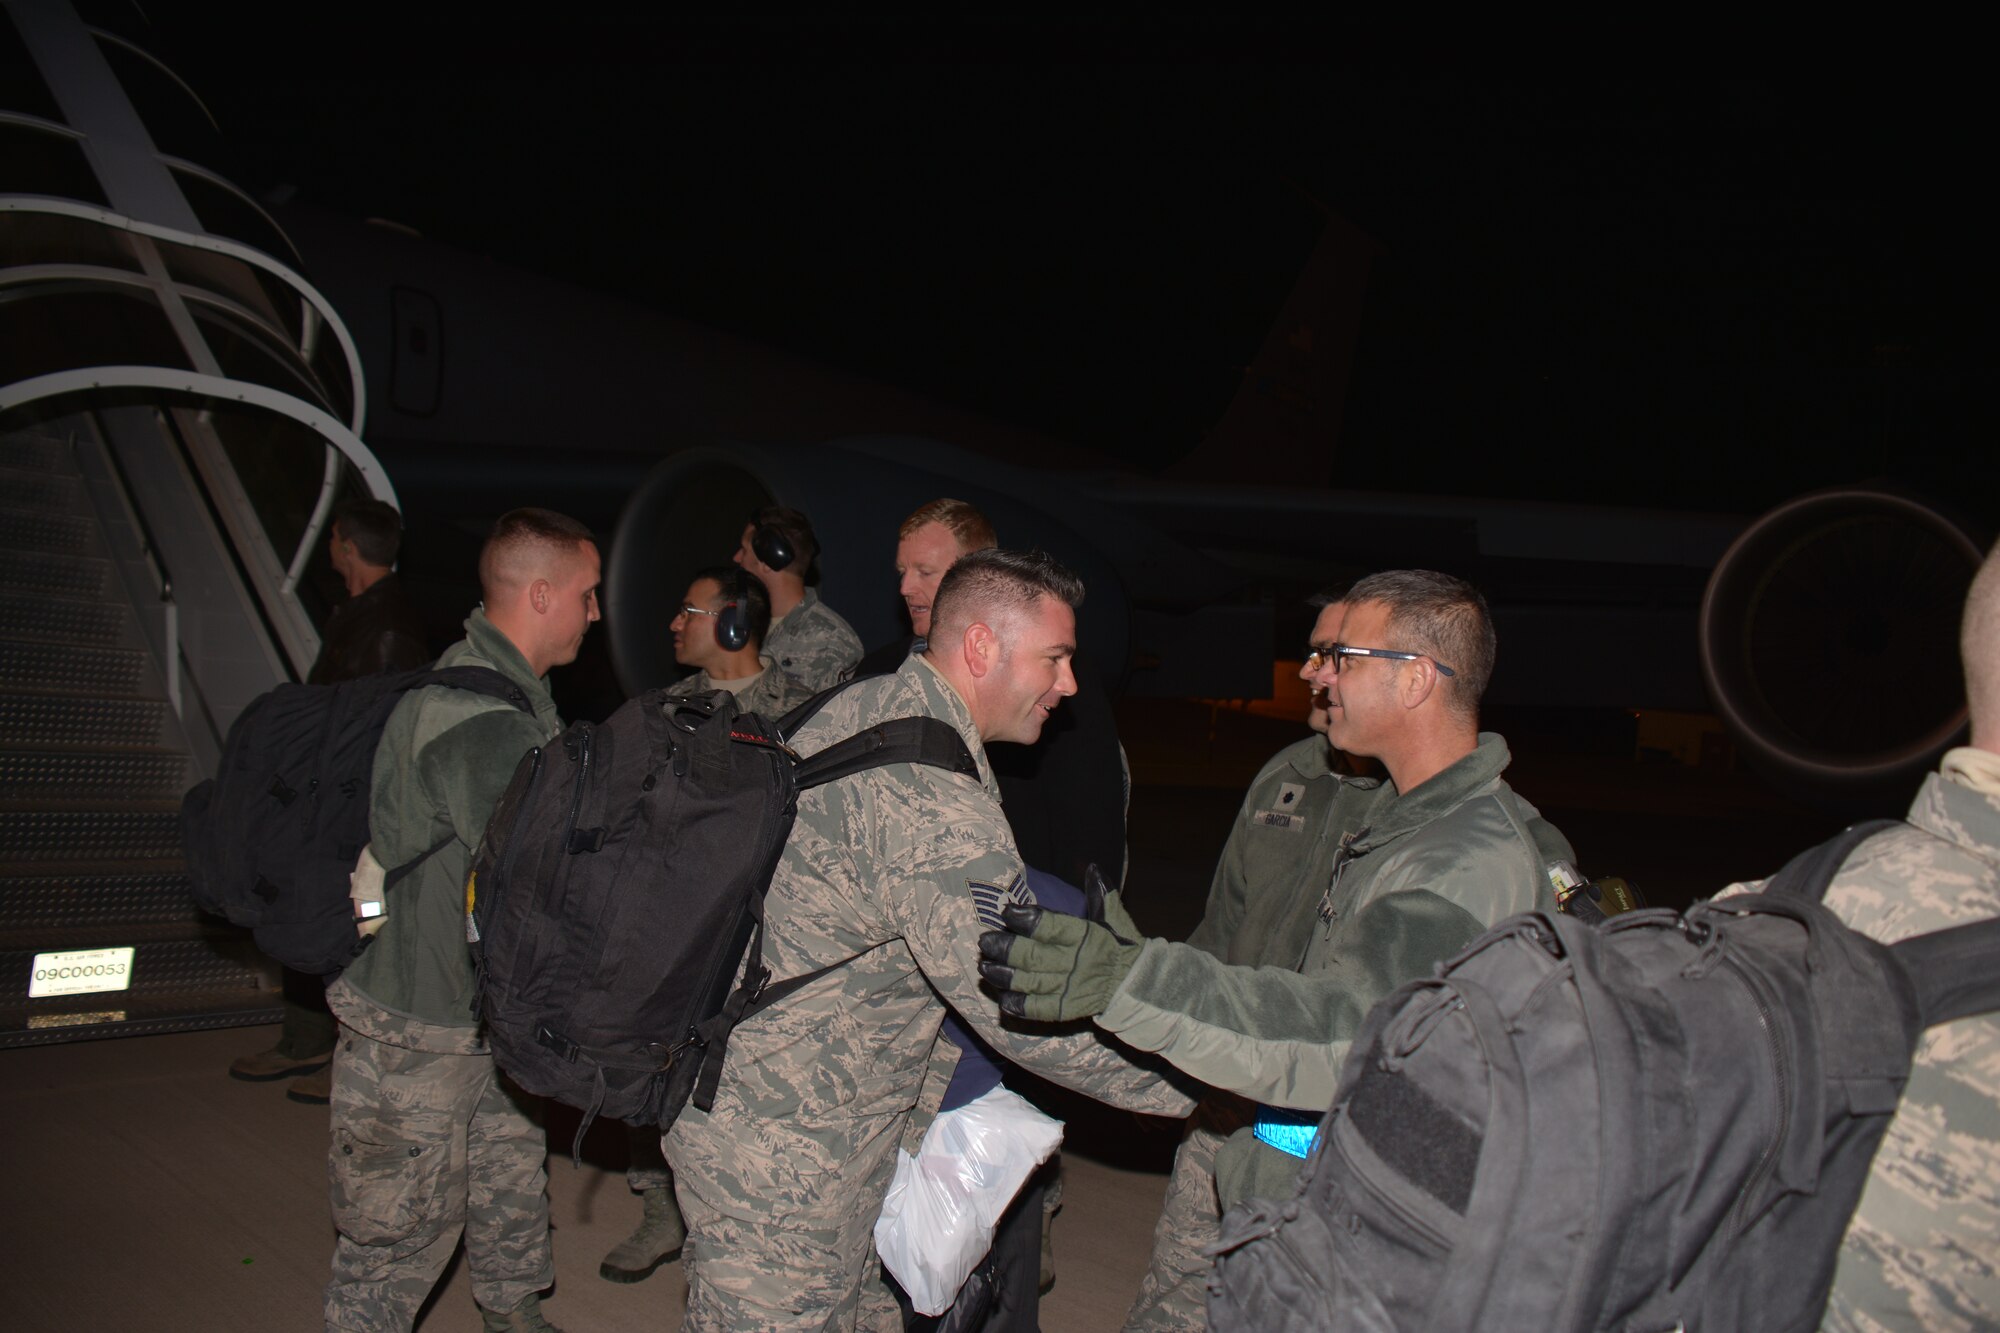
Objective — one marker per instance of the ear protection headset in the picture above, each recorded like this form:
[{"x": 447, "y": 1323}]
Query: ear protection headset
[
  {"x": 732, "y": 623},
  {"x": 772, "y": 547}
]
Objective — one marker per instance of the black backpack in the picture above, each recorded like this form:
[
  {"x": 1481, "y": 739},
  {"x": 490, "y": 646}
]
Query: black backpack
[
  {"x": 272, "y": 838},
  {"x": 1664, "y": 1122},
  {"x": 621, "y": 880}
]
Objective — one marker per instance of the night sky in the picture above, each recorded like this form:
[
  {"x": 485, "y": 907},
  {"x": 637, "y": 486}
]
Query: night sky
[{"x": 1646, "y": 284}]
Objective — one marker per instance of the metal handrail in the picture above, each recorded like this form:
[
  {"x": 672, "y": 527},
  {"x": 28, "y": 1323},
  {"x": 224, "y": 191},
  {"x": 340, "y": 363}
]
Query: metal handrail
[{"x": 149, "y": 552}]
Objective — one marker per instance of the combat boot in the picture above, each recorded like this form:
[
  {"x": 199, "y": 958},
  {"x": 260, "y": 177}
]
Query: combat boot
[
  {"x": 657, "y": 1240},
  {"x": 524, "y": 1318},
  {"x": 276, "y": 1063}
]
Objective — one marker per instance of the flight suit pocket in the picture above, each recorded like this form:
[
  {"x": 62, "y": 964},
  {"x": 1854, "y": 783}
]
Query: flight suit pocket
[{"x": 383, "y": 1192}]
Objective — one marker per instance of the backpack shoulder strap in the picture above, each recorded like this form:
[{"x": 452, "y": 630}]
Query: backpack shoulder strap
[
  {"x": 477, "y": 680},
  {"x": 1808, "y": 874},
  {"x": 906, "y": 740},
  {"x": 1956, "y": 972},
  {"x": 788, "y": 725}
]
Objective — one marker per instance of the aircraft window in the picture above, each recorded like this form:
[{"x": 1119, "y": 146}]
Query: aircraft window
[
  {"x": 57, "y": 238},
  {"x": 251, "y": 354},
  {"x": 281, "y": 464},
  {"x": 178, "y": 123},
  {"x": 44, "y": 160},
  {"x": 21, "y": 85},
  {"x": 56, "y": 326},
  {"x": 225, "y": 211}
]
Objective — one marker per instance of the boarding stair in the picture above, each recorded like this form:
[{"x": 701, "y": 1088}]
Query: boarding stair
[{"x": 93, "y": 760}]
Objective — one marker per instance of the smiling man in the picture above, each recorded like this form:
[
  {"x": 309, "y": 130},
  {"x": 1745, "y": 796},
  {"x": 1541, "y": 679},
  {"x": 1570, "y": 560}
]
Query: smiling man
[
  {"x": 1443, "y": 850},
  {"x": 888, "y": 877}
]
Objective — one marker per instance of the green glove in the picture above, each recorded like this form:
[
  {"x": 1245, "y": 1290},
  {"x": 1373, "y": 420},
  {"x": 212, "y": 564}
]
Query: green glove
[{"x": 1053, "y": 967}]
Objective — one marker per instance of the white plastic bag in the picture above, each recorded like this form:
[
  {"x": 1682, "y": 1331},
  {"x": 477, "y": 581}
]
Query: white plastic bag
[{"x": 938, "y": 1218}]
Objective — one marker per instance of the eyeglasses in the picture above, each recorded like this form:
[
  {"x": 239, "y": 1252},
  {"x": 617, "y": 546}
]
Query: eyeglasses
[
  {"x": 1318, "y": 658},
  {"x": 688, "y": 610}
]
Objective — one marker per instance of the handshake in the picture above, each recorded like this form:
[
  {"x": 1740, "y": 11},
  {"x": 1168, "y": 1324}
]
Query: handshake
[{"x": 1053, "y": 967}]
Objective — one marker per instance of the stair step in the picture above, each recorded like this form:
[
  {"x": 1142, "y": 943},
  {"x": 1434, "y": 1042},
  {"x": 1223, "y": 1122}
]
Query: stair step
[
  {"x": 91, "y": 1017},
  {"x": 58, "y": 666},
  {"x": 32, "y": 453},
  {"x": 83, "y": 775},
  {"x": 158, "y": 966},
  {"x": 42, "y": 492},
  {"x": 74, "y": 904},
  {"x": 61, "y": 620},
  {"x": 43, "y": 837},
  {"x": 59, "y": 575},
  {"x": 53, "y": 719},
  {"x": 48, "y": 533}
]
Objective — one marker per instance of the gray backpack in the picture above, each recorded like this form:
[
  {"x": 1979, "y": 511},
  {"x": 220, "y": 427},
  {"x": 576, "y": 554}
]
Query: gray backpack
[{"x": 1660, "y": 1123}]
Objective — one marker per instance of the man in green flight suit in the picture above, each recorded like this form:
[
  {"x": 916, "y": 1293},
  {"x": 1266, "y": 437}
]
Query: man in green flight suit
[
  {"x": 1260, "y": 913},
  {"x": 428, "y": 1138},
  {"x": 1446, "y": 850}
]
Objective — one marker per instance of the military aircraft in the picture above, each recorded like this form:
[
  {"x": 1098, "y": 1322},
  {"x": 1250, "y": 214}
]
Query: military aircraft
[{"x": 195, "y": 376}]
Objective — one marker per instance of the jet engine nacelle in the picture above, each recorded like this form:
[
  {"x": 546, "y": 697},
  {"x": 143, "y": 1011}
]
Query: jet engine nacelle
[
  {"x": 1829, "y": 643},
  {"x": 691, "y": 509}
]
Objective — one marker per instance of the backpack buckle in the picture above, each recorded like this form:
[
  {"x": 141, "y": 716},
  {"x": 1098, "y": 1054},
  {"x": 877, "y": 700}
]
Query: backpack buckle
[{"x": 556, "y": 1042}]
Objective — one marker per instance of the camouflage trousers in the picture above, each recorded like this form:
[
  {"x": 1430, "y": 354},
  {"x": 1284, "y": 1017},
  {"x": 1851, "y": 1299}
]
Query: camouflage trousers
[
  {"x": 645, "y": 1165},
  {"x": 1173, "y": 1296},
  {"x": 426, "y": 1145},
  {"x": 812, "y": 1270}
]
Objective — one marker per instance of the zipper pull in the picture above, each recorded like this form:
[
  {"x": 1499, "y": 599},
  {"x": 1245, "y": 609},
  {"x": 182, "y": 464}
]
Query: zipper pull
[{"x": 1340, "y": 861}]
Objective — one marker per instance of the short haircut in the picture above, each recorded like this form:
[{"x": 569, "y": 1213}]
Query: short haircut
[
  {"x": 797, "y": 529},
  {"x": 747, "y": 591},
  {"x": 1979, "y": 646},
  {"x": 1333, "y": 594},
  {"x": 526, "y": 544},
  {"x": 1442, "y": 617},
  {"x": 987, "y": 585},
  {"x": 375, "y": 528},
  {"x": 966, "y": 524}
]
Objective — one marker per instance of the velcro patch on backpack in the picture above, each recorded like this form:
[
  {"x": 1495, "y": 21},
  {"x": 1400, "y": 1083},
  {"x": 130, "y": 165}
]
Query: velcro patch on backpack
[{"x": 1414, "y": 1133}]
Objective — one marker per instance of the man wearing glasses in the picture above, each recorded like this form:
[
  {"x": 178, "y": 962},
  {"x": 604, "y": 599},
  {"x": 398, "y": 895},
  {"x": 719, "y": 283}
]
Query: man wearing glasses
[
  {"x": 1446, "y": 850},
  {"x": 719, "y": 630}
]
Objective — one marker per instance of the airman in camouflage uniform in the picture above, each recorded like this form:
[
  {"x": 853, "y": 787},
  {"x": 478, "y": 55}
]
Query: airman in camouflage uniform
[
  {"x": 760, "y": 685},
  {"x": 428, "y": 1137},
  {"x": 808, "y": 640},
  {"x": 888, "y": 874},
  {"x": 1923, "y": 1248},
  {"x": 765, "y": 689}
]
